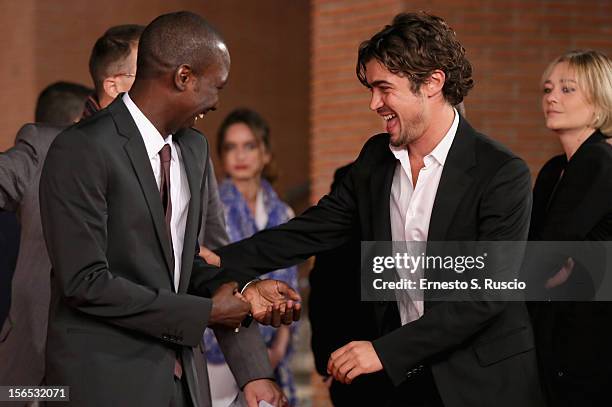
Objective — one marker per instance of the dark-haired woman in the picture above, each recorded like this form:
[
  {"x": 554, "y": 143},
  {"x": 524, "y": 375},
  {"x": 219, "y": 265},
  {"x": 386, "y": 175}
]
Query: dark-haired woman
[{"x": 251, "y": 204}]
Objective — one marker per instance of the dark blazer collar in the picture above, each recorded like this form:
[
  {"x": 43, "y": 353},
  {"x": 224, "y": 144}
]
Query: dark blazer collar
[
  {"x": 595, "y": 137},
  {"x": 137, "y": 153},
  {"x": 126, "y": 126},
  {"x": 380, "y": 188},
  {"x": 141, "y": 163},
  {"x": 454, "y": 182},
  {"x": 193, "y": 163}
]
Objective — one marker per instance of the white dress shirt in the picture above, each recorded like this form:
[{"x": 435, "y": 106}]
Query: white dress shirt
[
  {"x": 410, "y": 209},
  {"x": 179, "y": 188}
]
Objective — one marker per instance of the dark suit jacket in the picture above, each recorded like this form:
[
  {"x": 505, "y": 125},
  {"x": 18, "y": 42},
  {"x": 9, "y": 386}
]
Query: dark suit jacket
[
  {"x": 481, "y": 353},
  {"x": 24, "y": 332},
  {"x": 115, "y": 323},
  {"x": 574, "y": 338},
  {"x": 332, "y": 327}
]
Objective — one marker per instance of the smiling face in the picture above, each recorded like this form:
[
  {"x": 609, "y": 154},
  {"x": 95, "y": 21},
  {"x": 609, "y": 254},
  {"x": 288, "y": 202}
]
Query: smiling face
[
  {"x": 204, "y": 92},
  {"x": 199, "y": 88},
  {"x": 564, "y": 102},
  {"x": 403, "y": 111}
]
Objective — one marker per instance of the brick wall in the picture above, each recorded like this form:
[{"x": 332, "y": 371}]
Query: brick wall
[
  {"x": 509, "y": 43},
  {"x": 340, "y": 118}
]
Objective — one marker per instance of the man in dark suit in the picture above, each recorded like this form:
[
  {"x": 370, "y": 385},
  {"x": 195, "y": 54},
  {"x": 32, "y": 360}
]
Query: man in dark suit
[
  {"x": 120, "y": 201},
  {"x": 430, "y": 177},
  {"x": 61, "y": 103}
]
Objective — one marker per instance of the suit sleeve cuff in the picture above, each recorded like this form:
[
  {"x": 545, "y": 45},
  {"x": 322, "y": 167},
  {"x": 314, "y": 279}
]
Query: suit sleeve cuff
[{"x": 392, "y": 366}]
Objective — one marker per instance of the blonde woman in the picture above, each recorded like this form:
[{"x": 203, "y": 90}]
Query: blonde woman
[{"x": 573, "y": 202}]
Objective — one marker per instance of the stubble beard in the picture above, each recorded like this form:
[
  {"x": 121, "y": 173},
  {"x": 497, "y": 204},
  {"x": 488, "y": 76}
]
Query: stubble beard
[{"x": 411, "y": 131}]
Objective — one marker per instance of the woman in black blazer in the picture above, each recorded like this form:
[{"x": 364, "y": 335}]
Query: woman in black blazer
[{"x": 573, "y": 202}]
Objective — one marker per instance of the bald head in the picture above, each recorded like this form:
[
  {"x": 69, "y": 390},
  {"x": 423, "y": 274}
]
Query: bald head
[{"x": 176, "y": 39}]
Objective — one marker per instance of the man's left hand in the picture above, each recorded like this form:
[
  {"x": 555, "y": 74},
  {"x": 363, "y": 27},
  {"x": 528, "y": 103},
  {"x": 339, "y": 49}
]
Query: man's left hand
[
  {"x": 264, "y": 389},
  {"x": 354, "y": 359},
  {"x": 273, "y": 302}
]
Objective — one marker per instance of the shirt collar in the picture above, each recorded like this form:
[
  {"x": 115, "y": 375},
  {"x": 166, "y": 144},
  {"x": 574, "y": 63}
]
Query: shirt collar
[
  {"x": 440, "y": 152},
  {"x": 152, "y": 138}
]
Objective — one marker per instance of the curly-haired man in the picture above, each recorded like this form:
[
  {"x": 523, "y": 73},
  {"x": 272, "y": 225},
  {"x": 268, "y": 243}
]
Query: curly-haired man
[{"x": 430, "y": 177}]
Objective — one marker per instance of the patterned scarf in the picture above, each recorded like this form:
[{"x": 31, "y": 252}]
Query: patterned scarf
[{"x": 240, "y": 224}]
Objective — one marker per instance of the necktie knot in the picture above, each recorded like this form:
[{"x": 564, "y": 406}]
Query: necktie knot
[{"x": 165, "y": 153}]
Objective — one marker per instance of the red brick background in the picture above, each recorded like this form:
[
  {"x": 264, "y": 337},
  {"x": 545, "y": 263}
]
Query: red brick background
[{"x": 508, "y": 42}]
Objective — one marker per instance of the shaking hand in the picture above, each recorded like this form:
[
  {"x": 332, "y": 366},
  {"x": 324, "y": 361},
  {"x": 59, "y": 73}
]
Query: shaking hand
[{"x": 273, "y": 302}]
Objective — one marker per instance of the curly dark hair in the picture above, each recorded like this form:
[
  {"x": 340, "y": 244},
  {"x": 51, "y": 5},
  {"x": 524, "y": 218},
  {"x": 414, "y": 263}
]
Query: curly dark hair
[{"x": 414, "y": 45}]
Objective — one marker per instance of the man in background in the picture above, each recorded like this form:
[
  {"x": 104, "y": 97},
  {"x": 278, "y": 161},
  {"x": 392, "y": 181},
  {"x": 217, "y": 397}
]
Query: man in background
[
  {"x": 61, "y": 103},
  {"x": 24, "y": 330},
  {"x": 112, "y": 65}
]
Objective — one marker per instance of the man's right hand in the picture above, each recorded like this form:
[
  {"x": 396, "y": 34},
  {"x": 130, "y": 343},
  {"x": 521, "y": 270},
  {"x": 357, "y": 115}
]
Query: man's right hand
[{"x": 229, "y": 307}]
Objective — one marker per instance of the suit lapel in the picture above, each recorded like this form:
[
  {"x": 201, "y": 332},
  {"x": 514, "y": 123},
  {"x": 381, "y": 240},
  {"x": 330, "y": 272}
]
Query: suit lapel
[
  {"x": 380, "y": 195},
  {"x": 141, "y": 164},
  {"x": 454, "y": 182},
  {"x": 194, "y": 164}
]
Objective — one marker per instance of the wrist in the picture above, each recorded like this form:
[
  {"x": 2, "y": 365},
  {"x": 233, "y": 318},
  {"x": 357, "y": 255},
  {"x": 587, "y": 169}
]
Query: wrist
[{"x": 252, "y": 282}]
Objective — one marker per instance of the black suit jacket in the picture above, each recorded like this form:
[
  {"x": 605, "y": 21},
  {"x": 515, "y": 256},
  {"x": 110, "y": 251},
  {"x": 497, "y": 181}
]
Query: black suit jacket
[
  {"x": 574, "y": 338},
  {"x": 481, "y": 353},
  {"x": 115, "y": 323}
]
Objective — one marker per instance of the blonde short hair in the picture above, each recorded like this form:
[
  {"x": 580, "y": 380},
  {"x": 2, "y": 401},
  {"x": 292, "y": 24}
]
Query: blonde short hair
[{"x": 594, "y": 75}]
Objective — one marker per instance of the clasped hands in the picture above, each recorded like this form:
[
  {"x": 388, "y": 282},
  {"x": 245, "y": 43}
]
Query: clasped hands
[{"x": 271, "y": 302}]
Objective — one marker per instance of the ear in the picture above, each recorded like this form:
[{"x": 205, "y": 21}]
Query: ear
[
  {"x": 267, "y": 156},
  {"x": 434, "y": 84},
  {"x": 183, "y": 76},
  {"x": 110, "y": 87}
]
